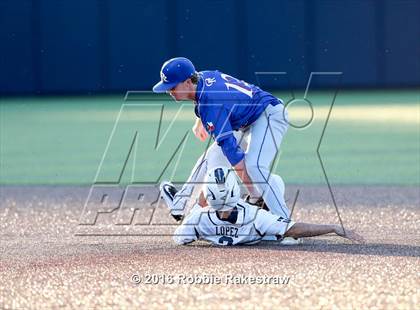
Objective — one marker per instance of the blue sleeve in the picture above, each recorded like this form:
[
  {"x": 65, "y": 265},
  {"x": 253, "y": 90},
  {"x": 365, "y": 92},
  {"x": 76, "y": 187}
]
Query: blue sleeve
[
  {"x": 217, "y": 124},
  {"x": 232, "y": 150}
]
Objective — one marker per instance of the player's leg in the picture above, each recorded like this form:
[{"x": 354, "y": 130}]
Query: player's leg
[
  {"x": 212, "y": 158},
  {"x": 266, "y": 135},
  {"x": 191, "y": 190},
  {"x": 168, "y": 192},
  {"x": 179, "y": 202}
]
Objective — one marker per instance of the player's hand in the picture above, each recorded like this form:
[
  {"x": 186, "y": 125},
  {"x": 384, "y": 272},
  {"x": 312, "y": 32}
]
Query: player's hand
[
  {"x": 202, "y": 200},
  {"x": 199, "y": 130},
  {"x": 349, "y": 234}
]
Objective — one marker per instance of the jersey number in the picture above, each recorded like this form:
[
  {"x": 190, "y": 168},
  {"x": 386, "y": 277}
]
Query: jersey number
[
  {"x": 229, "y": 240},
  {"x": 241, "y": 86}
]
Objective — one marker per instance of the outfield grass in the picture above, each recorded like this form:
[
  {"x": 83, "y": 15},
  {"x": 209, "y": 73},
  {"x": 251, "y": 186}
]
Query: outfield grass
[{"x": 371, "y": 138}]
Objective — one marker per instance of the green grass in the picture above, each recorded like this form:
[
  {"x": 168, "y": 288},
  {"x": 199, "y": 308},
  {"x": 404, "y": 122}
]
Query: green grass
[{"x": 62, "y": 140}]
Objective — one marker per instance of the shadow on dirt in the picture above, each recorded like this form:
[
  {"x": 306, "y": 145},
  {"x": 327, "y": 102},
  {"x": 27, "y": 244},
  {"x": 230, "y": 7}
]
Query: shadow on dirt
[{"x": 377, "y": 249}]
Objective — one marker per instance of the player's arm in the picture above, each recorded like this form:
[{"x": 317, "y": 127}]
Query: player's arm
[
  {"x": 299, "y": 230},
  {"x": 222, "y": 131},
  {"x": 215, "y": 119},
  {"x": 199, "y": 130},
  {"x": 240, "y": 169},
  {"x": 270, "y": 224},
  {"x": 187, "y": 232},
  {"x": 266, "y": 223}
]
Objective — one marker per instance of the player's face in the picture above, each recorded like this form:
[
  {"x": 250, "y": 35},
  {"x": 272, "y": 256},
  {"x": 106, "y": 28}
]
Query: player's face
[{"x": 182, "y": 91}]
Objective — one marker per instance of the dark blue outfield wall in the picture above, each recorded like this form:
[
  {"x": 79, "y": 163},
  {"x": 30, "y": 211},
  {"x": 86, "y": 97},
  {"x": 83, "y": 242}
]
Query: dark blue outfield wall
[{"x": 80, "y": 46}]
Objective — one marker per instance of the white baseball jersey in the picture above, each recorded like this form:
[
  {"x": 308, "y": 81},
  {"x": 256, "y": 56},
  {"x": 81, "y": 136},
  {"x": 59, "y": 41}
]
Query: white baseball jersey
[{"x": 247, "y": 224}]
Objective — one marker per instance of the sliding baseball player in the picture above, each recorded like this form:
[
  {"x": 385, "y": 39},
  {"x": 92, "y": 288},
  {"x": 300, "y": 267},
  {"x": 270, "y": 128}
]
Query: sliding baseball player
[{"x": 228, "y": 220}]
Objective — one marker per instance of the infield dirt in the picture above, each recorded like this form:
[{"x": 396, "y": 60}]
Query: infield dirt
[{"x": 44, "y": 264}]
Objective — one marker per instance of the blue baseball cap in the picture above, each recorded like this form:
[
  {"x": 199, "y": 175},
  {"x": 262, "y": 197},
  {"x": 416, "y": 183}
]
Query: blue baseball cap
[{"x": 173, "y": 72}]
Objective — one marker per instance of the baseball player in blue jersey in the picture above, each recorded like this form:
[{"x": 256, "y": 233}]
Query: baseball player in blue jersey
[{"x": 247, "y": 124}]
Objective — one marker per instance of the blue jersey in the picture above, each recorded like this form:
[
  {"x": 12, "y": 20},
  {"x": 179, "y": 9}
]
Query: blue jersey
[{"x": 225, "y": 104}]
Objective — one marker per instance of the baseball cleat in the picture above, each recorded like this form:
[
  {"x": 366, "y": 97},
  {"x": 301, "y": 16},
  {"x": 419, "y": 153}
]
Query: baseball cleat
[
  {"x": 291, "y": 241},
  {"x": 168, "y": 192}
]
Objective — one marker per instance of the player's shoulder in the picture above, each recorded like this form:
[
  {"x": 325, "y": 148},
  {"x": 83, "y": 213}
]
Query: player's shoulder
[
  {"x": 196, "y": 214},
  {"x": 211, "y": 93},
  {"x": 209, "y": 74},
  {"x": 213, "y": 83}
]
